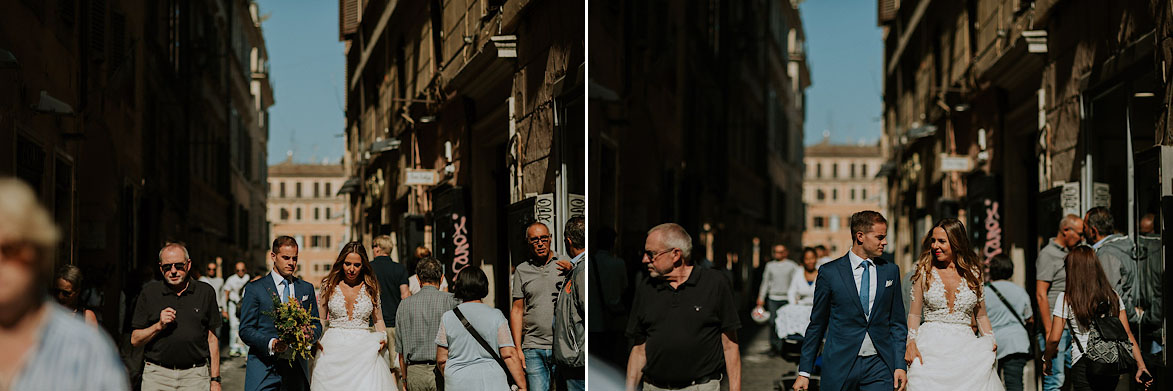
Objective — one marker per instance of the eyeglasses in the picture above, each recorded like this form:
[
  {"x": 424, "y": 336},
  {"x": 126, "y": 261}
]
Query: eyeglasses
[
  {"x": 166, "y": 267},
  {"x": 652, "y": 255},
  {"x": 540, "y": 239}
]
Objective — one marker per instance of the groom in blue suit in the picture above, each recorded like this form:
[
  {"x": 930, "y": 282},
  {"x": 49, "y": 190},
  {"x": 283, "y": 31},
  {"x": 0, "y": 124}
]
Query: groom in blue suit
[
  {"x": 859, "y": 308},
  {"x": 265, "y": 370}
]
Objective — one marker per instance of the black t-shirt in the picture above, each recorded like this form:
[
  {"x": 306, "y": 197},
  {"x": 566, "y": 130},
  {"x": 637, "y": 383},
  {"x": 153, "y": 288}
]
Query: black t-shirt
[
  {"x": 185, "y": 341},
  {"x": 391, "y": 275},
  {"x": 682, "y": 327}
]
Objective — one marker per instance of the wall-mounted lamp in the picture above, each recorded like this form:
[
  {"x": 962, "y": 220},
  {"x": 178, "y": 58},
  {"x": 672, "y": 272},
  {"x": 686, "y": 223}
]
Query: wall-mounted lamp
[
  {"x": 50, "y": 105},
  {"x": 427, "y": 119},
  {"x": 8, "y": 60}
]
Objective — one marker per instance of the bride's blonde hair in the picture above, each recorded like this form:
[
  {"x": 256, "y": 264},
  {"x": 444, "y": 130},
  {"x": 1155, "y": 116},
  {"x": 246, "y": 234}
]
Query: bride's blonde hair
[{"x": 969, "y": 266}]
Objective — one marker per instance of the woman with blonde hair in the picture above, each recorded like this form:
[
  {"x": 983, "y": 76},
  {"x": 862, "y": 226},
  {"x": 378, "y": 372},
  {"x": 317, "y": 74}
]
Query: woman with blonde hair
[
  {"x": 350, "y": 355},
  {"x": 943, "y": 353}
]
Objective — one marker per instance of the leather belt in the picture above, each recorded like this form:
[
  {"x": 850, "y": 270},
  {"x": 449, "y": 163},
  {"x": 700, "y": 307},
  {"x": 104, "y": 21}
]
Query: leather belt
[
  {"x": 683, "y": 384},
  {"x": 177, "y": 367},
  {"x": 428, "y": 362}
]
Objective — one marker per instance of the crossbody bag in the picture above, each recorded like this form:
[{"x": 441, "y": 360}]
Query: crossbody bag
[
  {"x": 484, "y": 344},
  {"x": 1033, "y": 343}
]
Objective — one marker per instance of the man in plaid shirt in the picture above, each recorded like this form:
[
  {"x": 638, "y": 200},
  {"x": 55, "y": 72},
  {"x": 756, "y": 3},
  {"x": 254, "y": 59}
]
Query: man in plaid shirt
[{"x": 416, "y": 323}]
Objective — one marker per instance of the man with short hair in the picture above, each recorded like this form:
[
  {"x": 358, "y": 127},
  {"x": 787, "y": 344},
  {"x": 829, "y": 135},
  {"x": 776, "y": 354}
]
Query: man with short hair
[
  {"x": 775, "y": 288},
  {"x": 46, "y": 347},
  {"x": 1150, "y": 270},
  {"x": 392, "y": 277},
  {"x": 232, "y": 294},
  {"x": 266, "y": 369},
  {"x": 417, "y": 319},
  {"x": 570, "y": 311},
  {"x": 535, "y": 287},
  {"x": 684, "y": 321},
  {"x": 211, "y": 276},
  {"x": 175, "y": 318},
  {"x": 1050, "y": 279},
  {"x": 1115, "y": 253},
  {"x": 857, "y": 307}
]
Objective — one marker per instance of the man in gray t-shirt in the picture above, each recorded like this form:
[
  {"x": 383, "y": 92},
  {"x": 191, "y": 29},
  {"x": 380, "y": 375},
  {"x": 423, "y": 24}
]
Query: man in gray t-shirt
[
  {"x": 1050, "y": 279},
  {"x": 536, "y": 283}
]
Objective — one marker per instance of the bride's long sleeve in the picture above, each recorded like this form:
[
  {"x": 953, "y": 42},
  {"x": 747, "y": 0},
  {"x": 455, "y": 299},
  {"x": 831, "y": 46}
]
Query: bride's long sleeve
[
  {"x": 983, "y": 321},
  {"x": 378, "y": 312},
  {"x": 914, "y": 309}
]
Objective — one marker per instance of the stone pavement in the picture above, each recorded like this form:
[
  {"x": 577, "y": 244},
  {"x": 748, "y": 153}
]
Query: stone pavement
[
  {"x": 759, "y": 370},
  {"x": 232, "y": 373}
]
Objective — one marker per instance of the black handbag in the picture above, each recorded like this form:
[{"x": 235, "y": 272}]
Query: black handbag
[
  {"x": 1108, "y": 348},
  {"x": 475, "y": 334}
]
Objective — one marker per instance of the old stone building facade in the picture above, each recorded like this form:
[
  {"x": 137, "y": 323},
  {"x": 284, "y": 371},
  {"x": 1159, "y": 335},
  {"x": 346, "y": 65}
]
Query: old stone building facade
[
  {"x": 463, "y": 123},
  {"x": 840, "y": 180},
  {"x": 304, "y": 203},
  {"x": 697, "y": 114},
  {"x": 138, "y": 122}
]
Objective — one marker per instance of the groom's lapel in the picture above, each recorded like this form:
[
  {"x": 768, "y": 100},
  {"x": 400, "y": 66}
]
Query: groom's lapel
[
  {"x": 849, "y": 284},
  {"x": 882, "y": 289}
]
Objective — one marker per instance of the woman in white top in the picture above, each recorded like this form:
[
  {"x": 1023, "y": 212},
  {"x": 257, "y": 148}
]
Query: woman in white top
[
  {"x": 793, "y": 318},
  {"x": 1088, "y": 295}
]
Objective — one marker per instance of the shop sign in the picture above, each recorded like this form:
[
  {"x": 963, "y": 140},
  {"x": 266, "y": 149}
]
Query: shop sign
[
  {"x": 413, "y": 177},
  {"x": 954, "y": 163}
]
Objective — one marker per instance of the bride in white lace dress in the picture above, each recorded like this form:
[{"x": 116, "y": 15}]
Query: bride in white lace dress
[
  {"x": 943, "y": 353},
  {"x": 349, "y": 352}
]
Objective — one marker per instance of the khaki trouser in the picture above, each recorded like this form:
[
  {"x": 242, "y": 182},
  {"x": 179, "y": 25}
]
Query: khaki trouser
[
  {"x": 421, "y": 378},
  {"x": 711, "y": 385},
  {"x": 391, "y": 354},
  {"x": 158, "y": 378}
]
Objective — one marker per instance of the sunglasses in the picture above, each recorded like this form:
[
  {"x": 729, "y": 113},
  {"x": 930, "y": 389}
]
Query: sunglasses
[
  {"x": 540, "y": 239},
  {"x": 166, "y": 267},
  {"x": 652, "y": 255}
]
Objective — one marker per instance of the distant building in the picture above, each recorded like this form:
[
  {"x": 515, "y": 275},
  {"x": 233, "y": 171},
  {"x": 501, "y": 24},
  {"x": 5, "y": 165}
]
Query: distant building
[
  {"x": 304, "y": 203},
  {"x": 840, "y": 180}
]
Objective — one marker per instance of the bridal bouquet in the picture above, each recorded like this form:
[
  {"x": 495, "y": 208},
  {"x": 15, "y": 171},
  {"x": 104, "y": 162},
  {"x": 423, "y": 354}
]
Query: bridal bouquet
[{"x": 294, "y": 327}]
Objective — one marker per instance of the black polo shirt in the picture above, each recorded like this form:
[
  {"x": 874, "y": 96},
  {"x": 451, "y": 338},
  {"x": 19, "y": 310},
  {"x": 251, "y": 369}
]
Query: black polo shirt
[
  {"x": 390, "y": 275},
  {"x": 682, "y": 327},
  {"x": 184, "y": 342}
]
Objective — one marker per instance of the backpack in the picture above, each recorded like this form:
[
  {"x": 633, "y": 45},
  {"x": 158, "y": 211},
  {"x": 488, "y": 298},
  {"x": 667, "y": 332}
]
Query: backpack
[{"x": 1108, "y": 346}]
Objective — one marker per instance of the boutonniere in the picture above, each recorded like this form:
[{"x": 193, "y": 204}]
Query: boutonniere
[{"x": 305, "y": 297}]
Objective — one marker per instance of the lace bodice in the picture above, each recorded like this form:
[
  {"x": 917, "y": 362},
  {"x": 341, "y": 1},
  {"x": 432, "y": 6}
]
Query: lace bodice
[
  {"x": 363, "y": 307},
  {"x": 936, "y": 305}
]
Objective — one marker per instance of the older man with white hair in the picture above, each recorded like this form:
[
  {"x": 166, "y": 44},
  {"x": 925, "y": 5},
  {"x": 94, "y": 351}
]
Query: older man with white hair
[
  {"x": 45, "y": 346},
  {"x": 677, "y": 343}
]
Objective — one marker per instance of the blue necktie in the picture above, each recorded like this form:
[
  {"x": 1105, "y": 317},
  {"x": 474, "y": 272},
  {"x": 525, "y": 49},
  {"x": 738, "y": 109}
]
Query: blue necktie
[
  {"x": 285, "y": 293},
  {"x": 865, "y": 287}
]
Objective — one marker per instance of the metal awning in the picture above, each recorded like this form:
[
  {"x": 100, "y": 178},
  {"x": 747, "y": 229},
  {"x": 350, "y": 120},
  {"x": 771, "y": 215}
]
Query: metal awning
[
  {"x": 350, "y": 186},
  {"x": 384, "y": 145},
  {"x": 886, "y": 170}
]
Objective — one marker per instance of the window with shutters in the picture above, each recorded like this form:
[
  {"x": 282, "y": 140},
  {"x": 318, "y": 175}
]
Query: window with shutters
[
  {"x": 297, "y": 191},
  {"x": 348, "y": 17},
  {"x": 97, "y": 30},
  {"x": 317, "y": 214},
  {"x": 329, "y": 190},
  {"x": 327, "y": 213},
  {"x": 819, "y": 222},
  {"x": 282, "y": 193},
  {"x": 317, "y": 190},
  {"x": 297, "y": 214},
  {"x": 284, "y": 214},
  {"x": 117, "y": 40}
]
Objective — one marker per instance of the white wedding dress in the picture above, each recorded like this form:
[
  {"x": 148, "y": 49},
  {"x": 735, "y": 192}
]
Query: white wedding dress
[
  {"x": 350, "y": 357},
  {"x": 954, "y": 358}
]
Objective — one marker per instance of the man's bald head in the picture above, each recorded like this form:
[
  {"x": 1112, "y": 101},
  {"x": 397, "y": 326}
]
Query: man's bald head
[{"x": 1147, "y": 223}]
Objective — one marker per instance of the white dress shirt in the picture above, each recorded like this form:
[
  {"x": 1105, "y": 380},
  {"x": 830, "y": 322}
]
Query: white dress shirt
[
  {"x": 277, "y": 280},
  {"x": 867, "y": 349}
]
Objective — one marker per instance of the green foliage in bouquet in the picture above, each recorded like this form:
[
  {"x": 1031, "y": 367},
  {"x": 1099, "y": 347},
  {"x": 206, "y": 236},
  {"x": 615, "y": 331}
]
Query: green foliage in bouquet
[{"x": 295, "y": 327}]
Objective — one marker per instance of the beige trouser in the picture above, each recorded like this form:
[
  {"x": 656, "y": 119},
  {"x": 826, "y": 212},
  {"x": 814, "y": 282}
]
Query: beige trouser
[
  {"x": 392, "y": 356},
  {"x": 711, "y": 385},
  {"x": 158, "y": 378},
  {"x": 421, "y": 378}
]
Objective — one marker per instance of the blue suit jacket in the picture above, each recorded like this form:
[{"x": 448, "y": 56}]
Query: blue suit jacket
[
  {"x": 838, "y": 314},
  {"x": 264, "y": 371}
]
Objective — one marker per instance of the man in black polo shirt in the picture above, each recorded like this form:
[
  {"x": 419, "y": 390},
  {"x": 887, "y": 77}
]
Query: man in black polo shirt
[
  {"x": 683, "y": 320},
  {"x": 174, "y": 318},
  {"x": 392, "y": 277}
]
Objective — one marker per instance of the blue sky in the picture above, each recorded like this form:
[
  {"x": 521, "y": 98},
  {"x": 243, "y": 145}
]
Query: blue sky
[
  {"x": 845, "y": 51},
  {"x": 307, "y": 66}
]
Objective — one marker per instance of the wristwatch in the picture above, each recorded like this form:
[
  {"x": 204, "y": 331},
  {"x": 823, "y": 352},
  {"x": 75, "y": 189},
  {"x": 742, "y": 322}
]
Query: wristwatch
[{"x": 216, "y": 379}]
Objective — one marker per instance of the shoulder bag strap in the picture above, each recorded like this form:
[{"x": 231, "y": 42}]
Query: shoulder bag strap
[
  {"x": 1074, "y": 337},
  {"x": 475, "y": 334},
  {"x": 1008, "y": 306}
]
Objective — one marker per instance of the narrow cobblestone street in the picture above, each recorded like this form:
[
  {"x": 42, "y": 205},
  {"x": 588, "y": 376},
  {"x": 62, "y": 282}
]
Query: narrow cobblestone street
[{"x": 759, "y": 370}]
